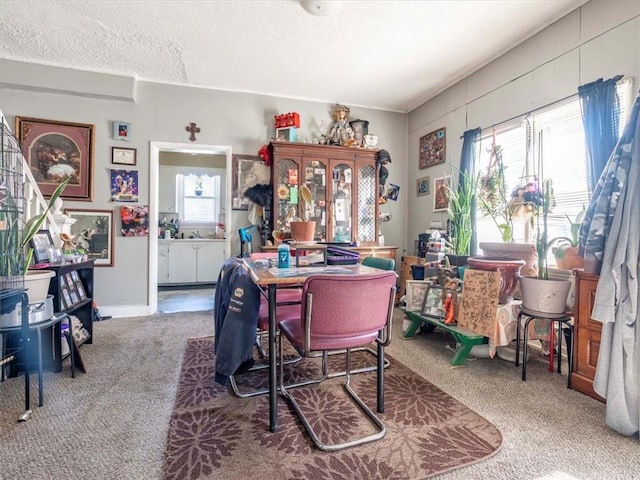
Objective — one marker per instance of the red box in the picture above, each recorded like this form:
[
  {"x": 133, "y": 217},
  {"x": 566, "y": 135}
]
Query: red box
[{"x": 291, "y": 119}]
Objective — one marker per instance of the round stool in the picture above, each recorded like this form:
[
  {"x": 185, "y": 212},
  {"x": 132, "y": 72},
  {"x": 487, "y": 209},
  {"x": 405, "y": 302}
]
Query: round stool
[{"x": 564, "y": 322}]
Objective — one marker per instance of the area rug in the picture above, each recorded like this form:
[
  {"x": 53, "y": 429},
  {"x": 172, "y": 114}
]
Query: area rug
[{"x": 213, "y": 434}]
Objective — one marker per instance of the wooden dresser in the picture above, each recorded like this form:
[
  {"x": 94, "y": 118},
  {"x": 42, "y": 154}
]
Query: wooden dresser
[{"x": 587, "y": 335}]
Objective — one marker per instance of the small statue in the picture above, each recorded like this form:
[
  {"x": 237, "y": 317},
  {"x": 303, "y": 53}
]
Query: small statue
[
  {"x": 341, "y": 132},
  {"x": 450, "y": 300}
]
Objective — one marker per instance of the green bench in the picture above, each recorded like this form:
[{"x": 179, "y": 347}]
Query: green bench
[{"x": 464, "y": 337}]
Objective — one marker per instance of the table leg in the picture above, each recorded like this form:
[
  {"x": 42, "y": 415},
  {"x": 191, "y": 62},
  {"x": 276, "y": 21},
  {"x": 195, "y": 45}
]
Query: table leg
[
  {"x": 273, "y": 386},
  {"x": 40, "y": 382},
  {"x": 518, "y": 335},
  {"x": 413, "y": 328},
  {"x": 463, "y": 352}
]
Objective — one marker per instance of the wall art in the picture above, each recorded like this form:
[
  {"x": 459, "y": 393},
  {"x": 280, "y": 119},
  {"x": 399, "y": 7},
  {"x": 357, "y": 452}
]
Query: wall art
[
  {"x": 432, "y": 148},
  {"x": 94, "y": 232},
  {"x": 423, "y": 186},
  {"x": 57, "y": 150}
]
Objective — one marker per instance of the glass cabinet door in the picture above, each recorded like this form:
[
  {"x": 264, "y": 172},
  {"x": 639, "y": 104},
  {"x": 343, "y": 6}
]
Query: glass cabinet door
[
  {"x": 285, "y": 181},
  {"x": 342, "y": 197},
  {"x": 367, "y": 201},
  {"x": 314, "y": 176}
]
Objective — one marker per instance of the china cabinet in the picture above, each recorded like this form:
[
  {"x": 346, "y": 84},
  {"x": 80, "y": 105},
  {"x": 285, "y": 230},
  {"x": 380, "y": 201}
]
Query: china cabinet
[{"x": 343, "y": 183}]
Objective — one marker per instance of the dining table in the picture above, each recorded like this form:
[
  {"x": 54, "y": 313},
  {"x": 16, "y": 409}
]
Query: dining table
[{"x": 269, "y": 278}]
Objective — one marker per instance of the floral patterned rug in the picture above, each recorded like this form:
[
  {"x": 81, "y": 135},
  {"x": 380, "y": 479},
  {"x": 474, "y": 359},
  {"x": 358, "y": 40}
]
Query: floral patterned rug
[{"x": 213, "y": 434}]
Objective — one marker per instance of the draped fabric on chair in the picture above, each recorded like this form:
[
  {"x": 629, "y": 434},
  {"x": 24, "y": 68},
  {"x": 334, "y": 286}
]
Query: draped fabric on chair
[
  {"x": 601, "y": 118},
  {"x": 468, "y": 167}
]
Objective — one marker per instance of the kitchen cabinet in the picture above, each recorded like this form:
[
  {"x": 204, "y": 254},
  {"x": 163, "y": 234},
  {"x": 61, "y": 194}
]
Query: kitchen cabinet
[
  {"x": 344, "y": 190},
  {"x": 189, "y": 261},
  {"x": 586, "y": 335}
]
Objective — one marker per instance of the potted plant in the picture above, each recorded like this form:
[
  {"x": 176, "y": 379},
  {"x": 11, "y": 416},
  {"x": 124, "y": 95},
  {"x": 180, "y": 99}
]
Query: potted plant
[
  {"x": 565, "y": 249},
  {"x": 461, "y": 203},
  {"x": 540, "y": 294},
  {"x": 303, "y": 230},
  {"x": 497, "y": 201},
  {"x": 16, "y": 244}
]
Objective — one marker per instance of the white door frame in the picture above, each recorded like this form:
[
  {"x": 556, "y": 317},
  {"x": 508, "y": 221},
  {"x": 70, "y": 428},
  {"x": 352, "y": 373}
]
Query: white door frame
[{"x": 154, "y": 171}]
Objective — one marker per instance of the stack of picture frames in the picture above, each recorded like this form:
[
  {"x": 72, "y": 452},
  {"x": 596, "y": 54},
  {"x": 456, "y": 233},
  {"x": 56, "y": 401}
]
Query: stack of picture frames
[{"x": 72, "y": 290}]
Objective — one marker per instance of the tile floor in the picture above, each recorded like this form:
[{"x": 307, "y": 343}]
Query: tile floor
[{"x": 191, "y": 300}]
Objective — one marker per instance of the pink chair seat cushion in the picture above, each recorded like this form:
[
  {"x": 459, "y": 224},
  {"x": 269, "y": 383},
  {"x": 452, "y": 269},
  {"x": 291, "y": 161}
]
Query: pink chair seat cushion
[
  {"x": 292, "y": 328},
  {"x": 283, "y": 312}
]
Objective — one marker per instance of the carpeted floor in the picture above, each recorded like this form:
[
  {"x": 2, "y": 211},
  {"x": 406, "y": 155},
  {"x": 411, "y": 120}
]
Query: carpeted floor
[
  {"x": 213, "y": 434},
  {"x": 112, "y": 422}
]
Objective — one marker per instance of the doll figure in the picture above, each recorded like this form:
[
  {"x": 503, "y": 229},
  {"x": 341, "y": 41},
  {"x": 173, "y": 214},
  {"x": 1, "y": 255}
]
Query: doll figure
[
  {"x": 450, "y": 300},
  {"x": 341, "y": 132}
]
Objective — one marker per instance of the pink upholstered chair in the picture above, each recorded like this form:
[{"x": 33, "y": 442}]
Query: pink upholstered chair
[{"x": 342, "y": 312}]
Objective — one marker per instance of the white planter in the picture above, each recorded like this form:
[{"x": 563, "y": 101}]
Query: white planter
[
  {"x": 546, "y": 297},
  {"x": 37, "y": 284}
]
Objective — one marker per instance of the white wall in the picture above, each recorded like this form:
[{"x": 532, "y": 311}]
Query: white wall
[
  {"x": 600, "y": 39},
  {"x": 160, "y": 113}
]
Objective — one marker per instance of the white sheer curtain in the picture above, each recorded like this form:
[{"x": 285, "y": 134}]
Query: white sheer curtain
[{"x": 198, "y": 198}]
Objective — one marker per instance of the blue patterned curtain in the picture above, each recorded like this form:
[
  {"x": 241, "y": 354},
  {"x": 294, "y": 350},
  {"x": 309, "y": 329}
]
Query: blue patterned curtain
[
  {"x": 468, "y": 167},
  {"x": 601, "y": 118}
]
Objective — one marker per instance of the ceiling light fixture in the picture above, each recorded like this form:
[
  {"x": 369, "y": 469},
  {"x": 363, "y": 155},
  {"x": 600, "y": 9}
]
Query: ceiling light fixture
[{"x": 321, "y": 8}]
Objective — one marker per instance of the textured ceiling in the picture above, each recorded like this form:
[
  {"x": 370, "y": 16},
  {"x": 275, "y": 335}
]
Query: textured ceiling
[{"x": 390, "y": 55}]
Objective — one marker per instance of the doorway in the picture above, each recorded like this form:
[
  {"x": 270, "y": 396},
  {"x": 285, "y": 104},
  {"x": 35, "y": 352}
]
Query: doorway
[{"x": 154, "y": 173}]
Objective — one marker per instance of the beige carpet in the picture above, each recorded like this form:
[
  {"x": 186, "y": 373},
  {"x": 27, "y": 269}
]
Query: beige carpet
[{"x": 213, "y": 434}]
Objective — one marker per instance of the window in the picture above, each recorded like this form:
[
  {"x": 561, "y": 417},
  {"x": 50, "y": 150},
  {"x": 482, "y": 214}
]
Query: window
[
  {"x": 198, "y": 198},
  {"x": 558, "y": 130}
]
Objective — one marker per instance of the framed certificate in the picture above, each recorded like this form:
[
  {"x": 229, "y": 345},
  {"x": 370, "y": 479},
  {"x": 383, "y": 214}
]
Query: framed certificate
[{"x": 123, "y": 156}]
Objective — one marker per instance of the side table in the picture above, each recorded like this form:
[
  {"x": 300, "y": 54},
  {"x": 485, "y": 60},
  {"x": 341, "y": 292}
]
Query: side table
[{"x": 563, "y": 320}]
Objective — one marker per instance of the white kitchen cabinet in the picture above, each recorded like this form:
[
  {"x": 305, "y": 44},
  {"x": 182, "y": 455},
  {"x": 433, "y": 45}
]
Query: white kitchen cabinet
[
  {"x": 210, "y": 256},
  {"x": 190, "y": 261}
]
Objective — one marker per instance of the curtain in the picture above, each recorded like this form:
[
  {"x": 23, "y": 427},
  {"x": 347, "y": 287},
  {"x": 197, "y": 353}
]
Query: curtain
[
  {"x": 601, "y": 117},
  {"x": 468, "y": 167}
]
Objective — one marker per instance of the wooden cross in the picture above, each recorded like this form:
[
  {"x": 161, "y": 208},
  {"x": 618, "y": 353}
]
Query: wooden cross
[{"x": 192, "y": 128}]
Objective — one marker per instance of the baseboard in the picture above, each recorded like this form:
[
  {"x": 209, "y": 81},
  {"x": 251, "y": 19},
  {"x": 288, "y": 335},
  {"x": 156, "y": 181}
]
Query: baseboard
[{"x": 125, "y": 311}]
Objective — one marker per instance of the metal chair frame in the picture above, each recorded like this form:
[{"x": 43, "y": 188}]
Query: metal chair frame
[{"x": 384, "y": 338}]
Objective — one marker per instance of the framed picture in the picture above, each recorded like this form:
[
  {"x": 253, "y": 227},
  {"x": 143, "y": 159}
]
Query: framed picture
[
  {"x": 55, "y": 254},
  {"x": 123, "y": 156},
  {"x": 135, "y": 220},
  {"x": 124, "y": 185},
  {"x": 69, "y": 280},
  {"x": 94, "y": 232},
  {"x": 40, "y": 243},
  {"x": 121, "y": 131},
  {"x": 392, "y": 192},
  {"x": 74, "y": 276},
  {"x": 423, "y": 186},
  {"x": 416, "y": 290},
  {"x": 74, "y": 296},
  {"x": 433, "y": 148},
  {"x": 441, "y": 194},
  {"x": 248, "y": 171},
  {"x": 80, "y": 290},
  {"x": 55, "y": 151},
  {"x": 432, "y": 303},
  {"x": 288, "y": 134},
  {"x": 66, "y": 298}
]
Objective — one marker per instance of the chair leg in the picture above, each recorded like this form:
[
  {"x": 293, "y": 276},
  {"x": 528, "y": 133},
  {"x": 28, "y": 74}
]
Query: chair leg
[
  {"x": 354, "y": 396},
  {"x": 358, "y": 370}
]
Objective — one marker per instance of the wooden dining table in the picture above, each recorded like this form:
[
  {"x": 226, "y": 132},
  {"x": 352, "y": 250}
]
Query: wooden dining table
[{"x": 270, "y": 279}]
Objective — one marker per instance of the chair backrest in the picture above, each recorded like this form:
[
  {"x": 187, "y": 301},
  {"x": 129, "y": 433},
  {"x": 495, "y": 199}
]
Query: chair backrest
[
  {"x": 344, "y": 311},
  {"x": 379, "y": 262}
]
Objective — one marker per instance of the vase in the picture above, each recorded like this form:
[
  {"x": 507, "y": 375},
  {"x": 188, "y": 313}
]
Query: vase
[
  {"x": 37, "y": 284},
  {"x": 522, "y": 251},
  {"x": 509, "y": 269},
  {"x": 303, "y": 231},
  {"x": 545, "y": 297},
  {"x": 567, "y": 258}
]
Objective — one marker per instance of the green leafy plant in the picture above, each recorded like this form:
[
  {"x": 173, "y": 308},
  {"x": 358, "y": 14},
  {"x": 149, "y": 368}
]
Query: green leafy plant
[
  {"x": 17, "y": 244},
  {"x": 461, "y": 204},
  {"x": 492, "y": 194}
]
